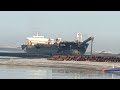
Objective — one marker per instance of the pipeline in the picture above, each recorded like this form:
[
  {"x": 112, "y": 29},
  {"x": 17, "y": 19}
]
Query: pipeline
[{"x": 85, "y": 58}]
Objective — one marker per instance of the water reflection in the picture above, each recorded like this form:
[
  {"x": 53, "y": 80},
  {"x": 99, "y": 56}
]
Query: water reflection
[{"x": 29, "y": 72}]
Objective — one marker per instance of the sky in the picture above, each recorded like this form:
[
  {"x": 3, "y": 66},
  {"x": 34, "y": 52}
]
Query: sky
[{"x": 15, "y": 26}]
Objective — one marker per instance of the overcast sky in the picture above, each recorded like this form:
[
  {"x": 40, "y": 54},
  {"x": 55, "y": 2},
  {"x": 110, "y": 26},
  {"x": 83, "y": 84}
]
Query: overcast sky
[{"x": 15, "y": 26}]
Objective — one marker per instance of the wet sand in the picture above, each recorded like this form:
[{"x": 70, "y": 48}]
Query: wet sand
[{"x": 59, "y": 64}]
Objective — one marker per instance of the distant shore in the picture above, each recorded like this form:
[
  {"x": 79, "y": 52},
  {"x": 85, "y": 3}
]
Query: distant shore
[{"x": 59, "y": 64}]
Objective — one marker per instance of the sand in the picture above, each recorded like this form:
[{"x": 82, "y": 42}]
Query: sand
[{"x": 59, "y": 64}]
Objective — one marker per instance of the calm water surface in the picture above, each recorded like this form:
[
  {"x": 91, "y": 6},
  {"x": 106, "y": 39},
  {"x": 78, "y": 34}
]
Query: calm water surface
[
  {"x": 32, "y": 72},
  {"x": 29, "y": 72}
]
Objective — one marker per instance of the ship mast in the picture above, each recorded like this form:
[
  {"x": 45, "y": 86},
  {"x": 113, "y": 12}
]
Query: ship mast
[{"x": 79, "y": 38}]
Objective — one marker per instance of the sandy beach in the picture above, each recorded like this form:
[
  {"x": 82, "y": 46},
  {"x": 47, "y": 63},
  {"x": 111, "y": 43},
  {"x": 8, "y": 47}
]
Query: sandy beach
[{"x": 59, "y": 64}]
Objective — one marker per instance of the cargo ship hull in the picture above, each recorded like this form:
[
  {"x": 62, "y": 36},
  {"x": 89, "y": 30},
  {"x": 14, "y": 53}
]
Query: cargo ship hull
[
  {"x": 69, "y": 48},
  {"x": 42, "y": 50}
]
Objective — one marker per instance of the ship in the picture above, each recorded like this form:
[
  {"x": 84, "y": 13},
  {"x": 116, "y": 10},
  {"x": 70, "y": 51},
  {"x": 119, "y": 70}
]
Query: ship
[{"x": 40, "y": 45}]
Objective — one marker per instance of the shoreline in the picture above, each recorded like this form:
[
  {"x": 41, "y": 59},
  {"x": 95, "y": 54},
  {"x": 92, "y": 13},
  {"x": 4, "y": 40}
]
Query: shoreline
[{"x": 98, "y": 66}]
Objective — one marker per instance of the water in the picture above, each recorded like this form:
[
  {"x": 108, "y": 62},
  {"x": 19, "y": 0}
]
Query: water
[{"x": 32, "y": 72}]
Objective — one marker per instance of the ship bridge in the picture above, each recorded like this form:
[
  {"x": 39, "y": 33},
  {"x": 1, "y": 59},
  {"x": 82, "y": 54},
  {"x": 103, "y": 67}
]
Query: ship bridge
[{"x": 39, "y": 40}]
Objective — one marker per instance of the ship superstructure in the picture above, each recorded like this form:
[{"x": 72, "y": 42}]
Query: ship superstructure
[{"x": 40, "y": 40}]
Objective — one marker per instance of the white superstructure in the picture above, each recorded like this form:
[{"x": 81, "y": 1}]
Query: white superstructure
[
  {"x": 39, "y": 40},
  {"x": 79, "y": 37}
]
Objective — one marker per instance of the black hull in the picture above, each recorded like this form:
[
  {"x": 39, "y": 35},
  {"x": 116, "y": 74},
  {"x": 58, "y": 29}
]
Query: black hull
[{"x": 69, "y": 49}]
